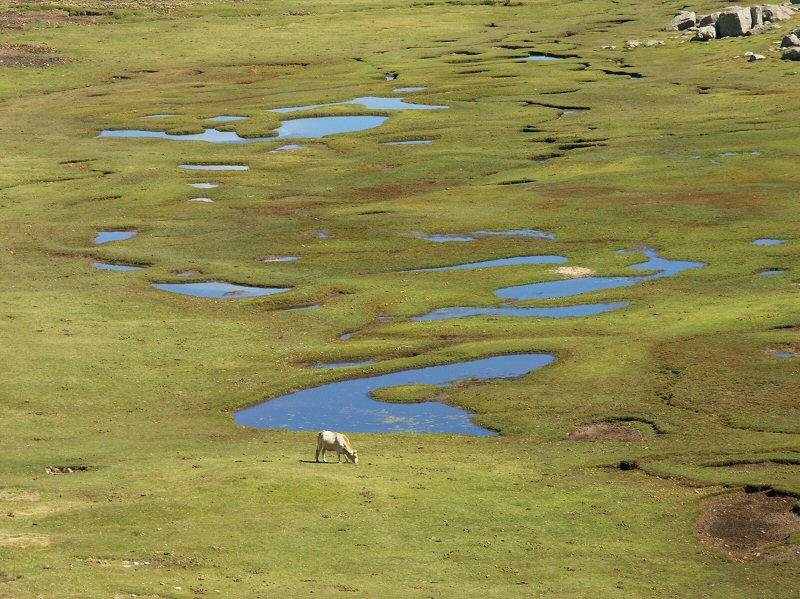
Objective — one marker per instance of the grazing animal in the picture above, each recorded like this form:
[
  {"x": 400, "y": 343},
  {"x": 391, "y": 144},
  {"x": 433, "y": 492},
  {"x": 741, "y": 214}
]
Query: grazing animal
[{"x": 329, "y": 440}]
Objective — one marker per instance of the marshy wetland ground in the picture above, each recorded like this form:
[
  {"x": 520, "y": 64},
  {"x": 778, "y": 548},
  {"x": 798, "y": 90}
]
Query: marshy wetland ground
[{"x": 656, "y": 454}]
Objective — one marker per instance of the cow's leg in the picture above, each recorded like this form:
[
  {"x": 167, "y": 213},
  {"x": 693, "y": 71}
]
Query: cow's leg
[
  {"x": 338, "y": 457},
  {"x": 316, "y": 457},
  {"x": 323, "y": 455}
]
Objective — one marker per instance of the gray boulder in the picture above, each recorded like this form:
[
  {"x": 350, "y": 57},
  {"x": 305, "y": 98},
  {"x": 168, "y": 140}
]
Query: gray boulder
[
  {"x": 683, "y": 20},
  {"x": 790, "y": 41},
  {"x": 756, "y": 16},
  {"x": 705, "y": 33},
  {"x": 710, "y": 19},
  {"x": 653, "y": 43},
  {"x": 734, "y": 22},
  {"x": 776, "y": 12},
  {"x": 759, "y": 29},
  {"x": 791, "y": 54},
  {"x": 752, "y": 56},
  {"x": 631, "y": 44}
]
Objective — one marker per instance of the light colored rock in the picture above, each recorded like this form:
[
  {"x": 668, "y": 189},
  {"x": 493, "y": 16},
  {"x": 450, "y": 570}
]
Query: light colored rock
[
  {"x": 653, "y": 43},
  {"x": 790, "y": 40},
  {"x": 631, "y": 44},
  {"x": 756, "y": 16},
  {"x": 608, "y": 47},
  {"x": 709, "y": 19},
  {"x": 759, "y": 29},
  {"x": 776, "y": 12},
  {"x": 734, "y": 22},
  {"x": 791, "y": 54},
  {"x": 752, "y": 57},
  {"x": 705, "y": 33},
  {"x": 683, "y": 20}
]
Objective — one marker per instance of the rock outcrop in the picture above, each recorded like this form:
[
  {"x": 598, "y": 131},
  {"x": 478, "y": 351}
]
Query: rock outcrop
[
  {"x": 734, "y": 21},
  {"x": 709, "y": 19},
  {"x": 681, "y": 21},
  {"x": 705, "y": 34},
  {"x": 791, "y": 54},
  {"x": 791, "y": 40}
]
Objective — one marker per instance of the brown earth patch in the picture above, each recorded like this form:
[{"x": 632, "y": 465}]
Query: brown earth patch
[
  {"x": 27, "y": 55},
  {"x": 616, "y": 430},
  {"x": 750, "y": 525}
]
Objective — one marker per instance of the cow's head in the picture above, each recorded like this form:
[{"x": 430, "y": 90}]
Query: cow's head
[{"x": 354, "y": 456}]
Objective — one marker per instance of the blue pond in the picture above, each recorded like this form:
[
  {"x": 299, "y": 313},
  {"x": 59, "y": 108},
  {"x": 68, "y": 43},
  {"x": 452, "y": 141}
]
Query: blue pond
[
  {"x": 347, "y": 406},
  {"x": 769, "y": 241},
  {"x": 281, "y": 259},
  {"x": 314, "y": 128},
  {"x": 227, "y": 119},
  {"x": 539, "y": 57},
  {"x": 412, "y": 142},
  {"x": 566, "y": 288},
  {"x": 211, "y": 135},
  {"x": 304, "y": 308},
  {"x": 729, "y": 154},
  {"x": 342, "y": 364},
  {"x": 517, "y": 260},
  {"x": 310, "y": 128},
  {"x": 107, "y": 266},
  {"x": 203, "y": 185},
  {"x": 287, "y": 147},
  {"x": 775, "y": 271},
  {"x": 215, "y": 167},
  {"x": 571, "y": 287},
  {"x": 409, "y": 89},
  {"x": 106, "y": 236},
  {"x": 520, "y": 233},
  {"x": 159, "y": 116},
  {"x": 369, "y": 102},
  {"x": 555, "y": 312},
  {"x": 510, "y": 233},
  {"x": 447, "y": 238},
  {"x": 219, "y": 289},
  {"x": 205, "y": 200}
]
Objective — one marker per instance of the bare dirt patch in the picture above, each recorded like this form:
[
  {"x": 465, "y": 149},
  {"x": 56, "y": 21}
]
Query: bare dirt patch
[
  {"x": 616, "y": 430},
  {"x": 66, "y": 469},
  {"x": 19, "y": 20},
  {"x": 7, "y": 539},
  {"x": 28, "y": 55},
  {"x": 750, "y": 525},
  {"x": 9, "y": 495},
  {"x": 573, "y": 271}
]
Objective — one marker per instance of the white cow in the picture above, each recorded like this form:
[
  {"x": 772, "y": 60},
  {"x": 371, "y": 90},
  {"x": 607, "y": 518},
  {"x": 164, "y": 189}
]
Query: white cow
[{"x": 335, "y": 441}]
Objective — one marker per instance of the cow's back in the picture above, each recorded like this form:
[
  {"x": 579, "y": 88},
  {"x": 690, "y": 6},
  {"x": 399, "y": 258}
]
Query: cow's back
[{"x": 327, "y": 439}]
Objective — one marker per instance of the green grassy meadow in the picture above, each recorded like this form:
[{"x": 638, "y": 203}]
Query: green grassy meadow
[{"x": 102, "y": 370}]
